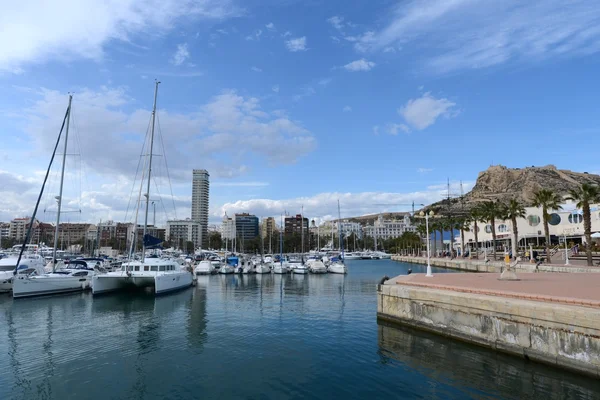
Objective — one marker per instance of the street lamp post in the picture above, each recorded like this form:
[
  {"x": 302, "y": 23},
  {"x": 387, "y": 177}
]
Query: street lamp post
[
  {"x": 427, "y": 215},
  {"x": 566, "y": 248}
]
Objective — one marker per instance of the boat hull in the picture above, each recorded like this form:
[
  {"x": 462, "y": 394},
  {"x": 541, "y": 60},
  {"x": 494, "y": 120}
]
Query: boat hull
[
  {"x": 337, "y": 269},
  {"x": 300, "y": 271},
  {"x": 48, "y": 285},
  {"x": 161, "y": 283}
]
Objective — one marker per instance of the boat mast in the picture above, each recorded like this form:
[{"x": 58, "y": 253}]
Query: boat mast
[
  {"x": 340, "y": 231},
  {"x": 302, "y": 234},
  {"x": 60, "y": 191},
  {"x": 281, "y": 242},
  {"x": 147, "y": 194}
]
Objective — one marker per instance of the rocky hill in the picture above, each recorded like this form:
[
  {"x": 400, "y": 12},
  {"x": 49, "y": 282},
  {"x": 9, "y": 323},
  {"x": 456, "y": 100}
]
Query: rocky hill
[{"x": 502, "y": 183}]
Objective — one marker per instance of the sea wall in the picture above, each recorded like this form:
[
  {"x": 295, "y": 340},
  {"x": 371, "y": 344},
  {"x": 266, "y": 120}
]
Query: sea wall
[
  {"x": 557, "y": 334},
  {"x": 492, "y": 266}
]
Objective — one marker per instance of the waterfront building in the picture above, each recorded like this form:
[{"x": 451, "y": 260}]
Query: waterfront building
[
  {"x": 295, "y": 224},
  {"x": 268, "y": 227},
  {"x": 246, "y": 226},
  {"x": 227, "y": 228},
  {"x": 389, "y": 229},
  {"x": 4, "y": 230},
  {"x": 179, "y": 232},
  {"x": 348, "y": 228},
  {"x": 200, "y": 197},
  {"x": 566, "y": 223},
  {"x": 74, "y": 233}
]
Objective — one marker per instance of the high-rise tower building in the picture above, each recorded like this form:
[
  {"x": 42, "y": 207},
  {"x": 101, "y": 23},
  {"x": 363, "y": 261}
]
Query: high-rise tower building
[{"x": 200, "y": 191}]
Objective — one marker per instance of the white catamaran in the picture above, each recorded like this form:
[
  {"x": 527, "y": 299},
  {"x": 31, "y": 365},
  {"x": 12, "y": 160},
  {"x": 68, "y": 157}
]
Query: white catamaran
[{"x": 164, "y": 275}]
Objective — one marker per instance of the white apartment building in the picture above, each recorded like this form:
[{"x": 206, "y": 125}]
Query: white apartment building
[
  {"x": 389, "y": 229},
  {"x": 348, "y": 228},
  {"x": 200, "y": 197},
  {"x": 566, "y": 223},
  {"x": 181, "y": 231},
  {"x": 228, "y": 228}
]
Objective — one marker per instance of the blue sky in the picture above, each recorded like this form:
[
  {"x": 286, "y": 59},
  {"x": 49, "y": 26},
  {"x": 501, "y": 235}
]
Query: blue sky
[{"x": 291, "y": 103}]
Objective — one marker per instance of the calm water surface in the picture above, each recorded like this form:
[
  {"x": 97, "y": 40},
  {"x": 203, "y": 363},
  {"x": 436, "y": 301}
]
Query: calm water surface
[{"x": 253, "y": 337}]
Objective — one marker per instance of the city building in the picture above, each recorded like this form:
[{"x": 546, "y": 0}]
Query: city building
[
  {"x": 348, "y": 228},
  {"x": 41, "y": 232},
  {"x": 179, "y": 232},
  {"x": 566, "y": 223},
  {"x": 75, "y": 233},
  {"x": 295, "y": 224},
  {"x": 246, "y": 227},
  {"x": 389, "y": 229},
  {"x": 268, "y": 227},
  {"x": 18, "y": 228},
  {"x": 200, "y": 196},
  {"x": 227, "y": 228},
  {"x": 4, "y": 230}
]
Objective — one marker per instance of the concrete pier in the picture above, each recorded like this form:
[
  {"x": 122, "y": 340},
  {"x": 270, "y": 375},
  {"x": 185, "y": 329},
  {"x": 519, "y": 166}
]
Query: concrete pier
[
  {"x": 549, "y": 318},
  {"x": 472, "y": 265}
]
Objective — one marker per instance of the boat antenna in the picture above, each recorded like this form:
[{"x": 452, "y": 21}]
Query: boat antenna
[
  {"x": 29, "y": 228},
  {"x": 147, "y": 194}
]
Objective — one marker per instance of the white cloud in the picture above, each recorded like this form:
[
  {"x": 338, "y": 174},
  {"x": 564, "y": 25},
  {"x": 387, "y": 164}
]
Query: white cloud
[
  {"x": 229, "y": 124},
  {"x": 181, "y": 54},
  {"x": 286, "y": 34},
  {"x": 304, "y": 92},
  {"x": 238, "y": 184},
  {"x": 337, "y": 22},
  {"x": 255, "y": 36},
  {"x": 425, "y": 110},
  {"x": 296, "y": 44},
  {"x": 393, "y": 129},
  {"x": 424, "y": 170},
  {"x": 256, "y": 69},
  {"x": 473, "y": 34},
  {"x": 324, "y": 205},
  {"x": 270, "y": 26},
  {"x": 376, "y": 130},
  {"x": 389, "y": 49},
  {"x": 347, "y": 109},
  {"x": 275, "y": 88},
  {"x": 359, "y": 65},
  {"x": 334, "y": 39},
  {"x": 34, "y": 32},
  {"x": 324, "y": 81}
]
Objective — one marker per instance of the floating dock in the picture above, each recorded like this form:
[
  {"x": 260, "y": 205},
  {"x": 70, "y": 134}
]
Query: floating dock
[{"x": 549, "y": 318}]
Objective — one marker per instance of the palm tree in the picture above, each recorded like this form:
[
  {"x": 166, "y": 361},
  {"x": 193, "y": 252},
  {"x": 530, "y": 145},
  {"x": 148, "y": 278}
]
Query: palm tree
[
  {"x": 476, "y": 216},
  {"x": 514, "y": 210},
  {"x": 463, "y": 225},
  {"x": 585, "y": 195},
  {"x": 492, "y": 210},
  {"x": 548, "y": 200},
  {"x": 434, "y": 228}
]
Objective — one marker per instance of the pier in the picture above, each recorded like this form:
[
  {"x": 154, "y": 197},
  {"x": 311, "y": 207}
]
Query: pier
[
  {"x": 548, "y": 318},
  {"x": 475, "y": 265}
]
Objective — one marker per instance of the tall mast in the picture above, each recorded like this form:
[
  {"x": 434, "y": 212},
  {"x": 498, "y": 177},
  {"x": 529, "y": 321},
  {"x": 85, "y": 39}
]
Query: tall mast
[
  {"x": 281, "y": 242},
  {"x": 302, "y": 233},
  {"x": 60, "y": 191},
  {"x": 340, "y": 231},
  {"x": 147, "y": 194}
]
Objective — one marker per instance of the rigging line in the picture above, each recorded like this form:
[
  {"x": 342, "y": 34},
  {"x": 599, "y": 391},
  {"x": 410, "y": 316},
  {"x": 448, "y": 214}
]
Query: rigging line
[
  {"x": 137, "y": 169},
  {"x": 162, "y": 143},
  {"x": 162, "y": 203},
  {"x": 82, "y": 172},
  {"x": 28, "y": 235}
]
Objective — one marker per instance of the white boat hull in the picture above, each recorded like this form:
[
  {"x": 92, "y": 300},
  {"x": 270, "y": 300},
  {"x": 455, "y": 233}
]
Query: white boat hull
[
  {"x": 6, "y": 281},
  {"x": 337, "y": 268},
  {"x": 226, "y": 269},
  {"x": 263, "y": 269},
  {"x": 280, "y": 269},
  {"x": 162, "y": 283},
  {"x": 49, "y": 284},
  {"x": 205, "y": 268},
  {"x": 317, "y": 267},
  {"x": 300, "y": 270}
]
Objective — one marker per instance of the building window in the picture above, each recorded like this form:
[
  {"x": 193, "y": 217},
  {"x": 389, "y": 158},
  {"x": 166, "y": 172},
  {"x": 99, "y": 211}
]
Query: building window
[
  {"x": 533, "y": 220},
  {"x": 575, "y": 218},
  {"x": 554, "y": 219},
  {"x": 502, "y": 228},
  {"x": 488, "y": 229}
]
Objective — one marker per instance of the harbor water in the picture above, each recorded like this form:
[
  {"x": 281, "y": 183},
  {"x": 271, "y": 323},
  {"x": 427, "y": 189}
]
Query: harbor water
[{"x": 253, "y": 337}]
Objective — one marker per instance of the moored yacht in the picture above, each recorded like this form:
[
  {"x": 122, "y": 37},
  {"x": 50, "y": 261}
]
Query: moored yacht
[
  {"x": 352, "y": 256},
  {"x": 205, "y": 268},
  {"x": 317, "y": 267},
  {"x": 31, "y": 264},
  {"x": 164, "y": 275}
]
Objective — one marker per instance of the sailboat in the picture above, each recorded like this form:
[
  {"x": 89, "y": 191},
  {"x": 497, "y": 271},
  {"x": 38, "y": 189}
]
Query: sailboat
[
  {"x": 58, "y": 281},
  {"x": 301, "y": 268},
  {"x": 262, "y": 267},
  {"x": 338, "y": 267},
  {"x": 164, "y": 275},
  {"x": 282, "y": 267}
]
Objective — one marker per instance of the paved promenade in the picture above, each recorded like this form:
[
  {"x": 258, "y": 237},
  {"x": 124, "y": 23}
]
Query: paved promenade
[{"x": 579, "y": 289}]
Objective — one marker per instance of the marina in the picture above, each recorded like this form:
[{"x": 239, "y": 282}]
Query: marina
[{"x": 253, "y": 336}]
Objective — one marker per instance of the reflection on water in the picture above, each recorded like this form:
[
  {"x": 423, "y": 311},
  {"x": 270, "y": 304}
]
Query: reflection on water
[
  {"x": 249, "y": 336},
  {"x": 476, "y": 371}
]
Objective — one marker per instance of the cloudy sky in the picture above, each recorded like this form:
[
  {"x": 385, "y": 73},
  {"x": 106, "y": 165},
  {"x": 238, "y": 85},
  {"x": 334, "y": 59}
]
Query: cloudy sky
[{"x": 291, "y": 103}]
